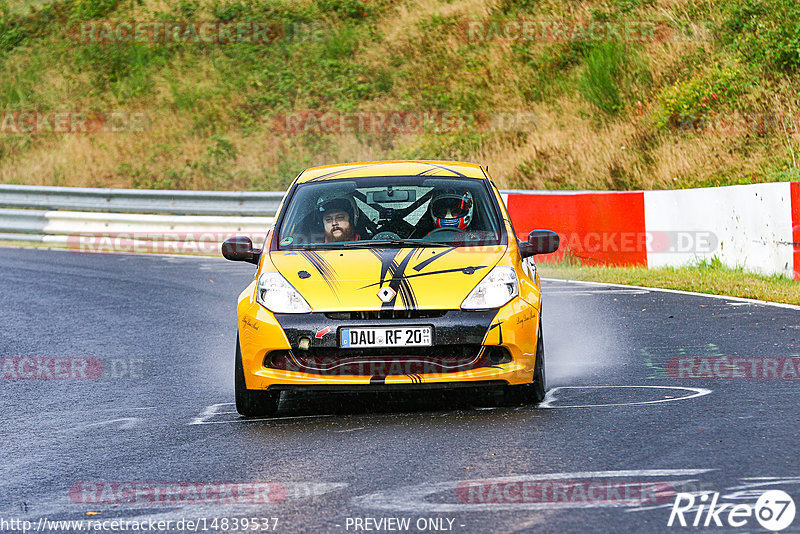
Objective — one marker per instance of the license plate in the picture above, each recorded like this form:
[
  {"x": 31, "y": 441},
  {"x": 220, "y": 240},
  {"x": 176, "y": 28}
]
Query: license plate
[{"x": 402, "y": 336}]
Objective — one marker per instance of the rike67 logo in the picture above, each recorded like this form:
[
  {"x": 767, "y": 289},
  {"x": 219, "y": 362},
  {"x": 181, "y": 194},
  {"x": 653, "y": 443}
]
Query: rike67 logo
[{"x": 774, "y": 510}]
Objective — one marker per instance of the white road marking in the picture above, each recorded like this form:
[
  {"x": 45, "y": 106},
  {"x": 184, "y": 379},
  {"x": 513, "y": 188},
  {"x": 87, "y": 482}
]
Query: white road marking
[
  {"x": 573, "y": 292},
  {"x": 550, "y": 398},
  {"x": 415, "y": 498},
  {"x": 208, "y": 413},
  {"x": 214, "y": 410},
  {"x": 679, "y": 292}
]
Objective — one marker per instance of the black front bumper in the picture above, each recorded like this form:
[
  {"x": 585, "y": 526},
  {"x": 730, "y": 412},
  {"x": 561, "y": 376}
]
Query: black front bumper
[
  {"x": 450, "y": 327},
  {"x": 383, "y": 388}
]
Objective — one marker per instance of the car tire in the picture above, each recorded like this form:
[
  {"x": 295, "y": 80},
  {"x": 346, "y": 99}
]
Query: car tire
[
  {"x": 534, "y": 392},
  {"x": 249, "y": 402},
  {"x": 539, "y": 382}
]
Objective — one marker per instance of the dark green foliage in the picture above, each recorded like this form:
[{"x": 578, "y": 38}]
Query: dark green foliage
[
  {"x": 92, "y": 9},
  {"x": 613, "y": 72},
  {"x": 353, "y": 9},
  {"x": 765, "y": 32}
]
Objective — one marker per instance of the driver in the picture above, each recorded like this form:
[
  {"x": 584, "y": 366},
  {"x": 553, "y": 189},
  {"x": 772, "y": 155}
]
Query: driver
[
  {"x": 337, "y": 221},
  {"x": 450, "y": 209}
]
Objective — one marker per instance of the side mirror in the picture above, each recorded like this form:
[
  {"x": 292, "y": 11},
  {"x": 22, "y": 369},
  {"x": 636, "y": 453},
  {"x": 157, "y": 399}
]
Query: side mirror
[
  {"x": 240, "y": 248},
  {"x": 540, "y": 242}
]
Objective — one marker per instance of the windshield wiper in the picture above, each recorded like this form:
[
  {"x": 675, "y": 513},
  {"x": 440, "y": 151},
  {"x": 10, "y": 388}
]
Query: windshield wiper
[{"x": 401, "y": 242}]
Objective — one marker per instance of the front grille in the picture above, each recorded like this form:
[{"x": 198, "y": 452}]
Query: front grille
[
  {"x": 385, "y": 314},
  {"x": 387, "y": 361}
]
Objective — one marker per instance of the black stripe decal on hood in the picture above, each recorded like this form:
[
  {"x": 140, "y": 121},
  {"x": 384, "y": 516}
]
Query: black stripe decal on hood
[
  {"x": 466, "y": 270},
  {"x": 398, "y": 281},
  {"x": 421, "y": 265},
  {"x": 404, "y": 286}
]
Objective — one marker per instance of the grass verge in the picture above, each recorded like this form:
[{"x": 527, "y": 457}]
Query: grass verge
[{"x": 705, "y": 278}]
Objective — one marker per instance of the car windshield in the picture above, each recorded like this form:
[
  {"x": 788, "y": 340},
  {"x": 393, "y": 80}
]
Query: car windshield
[{"x": 390, "y": 211}]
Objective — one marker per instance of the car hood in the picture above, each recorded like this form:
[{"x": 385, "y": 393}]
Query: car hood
[{"x": 419, "y": 278}]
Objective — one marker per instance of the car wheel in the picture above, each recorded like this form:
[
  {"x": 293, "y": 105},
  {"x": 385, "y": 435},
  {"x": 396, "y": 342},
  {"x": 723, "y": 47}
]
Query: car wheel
[
  {"x": 539, "y": 383},
  {"x": 251, "y": 402},
  {"x": 534, "y": 392}
]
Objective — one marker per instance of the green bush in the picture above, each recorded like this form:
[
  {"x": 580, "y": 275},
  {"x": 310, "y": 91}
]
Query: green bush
[
  {"x": 185, "y": 9},
  {"x": 227, "y": 11},
  {"x": 92, "y": 9},
  {"x": 765, "y": 32},
  {"x": 353, "y": 9},
  {"x": 342, "y": 44},
  {"x": 547, "y": 71},
  {"x": 12, "y": 29},
  {"x": 613, "y": 72},
  {"x": 126, "y": 68},
  {"x": 686, "y": 104}
]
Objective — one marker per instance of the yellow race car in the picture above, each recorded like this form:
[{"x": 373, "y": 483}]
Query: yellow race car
[{"x": 390, "y": 275}]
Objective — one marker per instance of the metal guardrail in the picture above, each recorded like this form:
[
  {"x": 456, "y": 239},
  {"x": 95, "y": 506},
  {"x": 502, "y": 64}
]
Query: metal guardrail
[
  {"x": 61, "y": 215},
  {"x": 22, "y": 221},
  {"x": 199, "y": 219},
  {"x": 231, "y": 203}
]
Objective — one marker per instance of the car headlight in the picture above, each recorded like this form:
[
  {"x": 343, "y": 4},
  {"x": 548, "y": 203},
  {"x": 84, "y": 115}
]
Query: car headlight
[
  {"x": 496, "y": 289},
  {"x": 277, "y": 295}
]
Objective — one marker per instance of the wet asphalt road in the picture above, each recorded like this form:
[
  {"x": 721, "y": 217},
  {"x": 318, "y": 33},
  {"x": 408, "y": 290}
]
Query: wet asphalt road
[{"x": 624, "y": 412}]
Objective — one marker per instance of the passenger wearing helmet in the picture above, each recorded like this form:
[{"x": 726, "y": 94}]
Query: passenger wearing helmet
[
  {"x": 337, "y": 221},
  {"x": 450, "y": 209}
]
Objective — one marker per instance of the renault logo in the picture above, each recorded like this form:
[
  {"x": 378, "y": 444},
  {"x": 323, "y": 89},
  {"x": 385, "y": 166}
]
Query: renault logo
[{"x": 386, "y": 294}]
